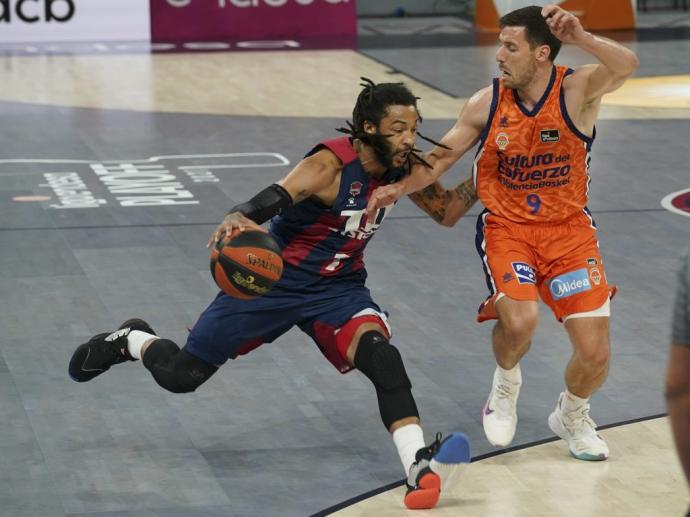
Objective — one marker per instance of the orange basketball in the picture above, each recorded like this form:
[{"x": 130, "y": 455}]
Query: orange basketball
[{"x": 247, "y": 266}]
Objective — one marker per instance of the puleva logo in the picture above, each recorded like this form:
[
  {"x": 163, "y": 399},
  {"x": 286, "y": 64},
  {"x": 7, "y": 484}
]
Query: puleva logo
[
  {"x": 569, "y": 284},
  {"x": 678, "y": 202},
  {"x": 524, "y": 273}
]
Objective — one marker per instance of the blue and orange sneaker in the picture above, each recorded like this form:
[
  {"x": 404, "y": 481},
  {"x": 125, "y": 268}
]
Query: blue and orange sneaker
[{"x": 435, "y": 464}]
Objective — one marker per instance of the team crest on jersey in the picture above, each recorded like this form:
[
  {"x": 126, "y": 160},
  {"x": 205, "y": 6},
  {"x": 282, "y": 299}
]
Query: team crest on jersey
[
  {"x": 550, "y": 135},
  {"x": 355, "y": 188},
  {"x": 502, "y": 140},
  {"x": 595, "y": 276}
]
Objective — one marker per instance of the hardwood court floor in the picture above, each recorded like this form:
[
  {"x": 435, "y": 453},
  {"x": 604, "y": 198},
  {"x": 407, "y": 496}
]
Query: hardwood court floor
[{"x": 642, "y": 477}]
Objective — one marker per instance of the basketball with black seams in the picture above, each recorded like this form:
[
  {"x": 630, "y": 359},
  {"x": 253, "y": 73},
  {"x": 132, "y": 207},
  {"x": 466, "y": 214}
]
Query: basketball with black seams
[{"x": 247, "y": 265}]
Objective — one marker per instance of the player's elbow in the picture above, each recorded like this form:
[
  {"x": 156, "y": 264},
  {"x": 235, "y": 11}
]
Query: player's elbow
[
  {"x": 629, "y": 64},
  {"x": 677, "y": 390},
  {"x": 449, "y": 220}
]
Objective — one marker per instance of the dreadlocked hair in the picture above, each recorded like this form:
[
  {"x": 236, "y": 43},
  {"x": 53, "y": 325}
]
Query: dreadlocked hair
[{"x": 372, "y": 106}]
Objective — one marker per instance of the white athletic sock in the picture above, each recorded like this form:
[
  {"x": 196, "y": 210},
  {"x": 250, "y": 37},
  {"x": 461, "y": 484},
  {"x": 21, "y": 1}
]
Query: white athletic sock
[
  {"x": 513, "y": 375},
  {"x": 136, "y": 340},
  {"x": 572, "y": 402},
  {"x": 408, "y": 439}
]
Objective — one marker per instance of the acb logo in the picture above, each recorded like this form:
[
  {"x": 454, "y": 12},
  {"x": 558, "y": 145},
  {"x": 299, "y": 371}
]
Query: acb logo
[{"x": 30, "y": 11}]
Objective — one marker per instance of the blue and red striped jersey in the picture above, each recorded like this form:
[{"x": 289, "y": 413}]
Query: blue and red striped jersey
[{"x": 330, "y": 241}]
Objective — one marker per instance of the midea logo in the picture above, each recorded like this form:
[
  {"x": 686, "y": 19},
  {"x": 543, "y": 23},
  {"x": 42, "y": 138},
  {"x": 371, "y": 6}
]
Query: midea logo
[
  {"x": 30, "y": 11},
  {"x": 254, "y": 3}
]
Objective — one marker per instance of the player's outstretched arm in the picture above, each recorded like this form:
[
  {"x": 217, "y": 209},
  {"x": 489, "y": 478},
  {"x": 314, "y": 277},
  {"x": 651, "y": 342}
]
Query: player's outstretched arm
[
  {"x": 446, "y": 206},
  {"x": 311, "y": 176},
  {"x": 459, "y": 139},
  {"x": 616, "y": 62}
]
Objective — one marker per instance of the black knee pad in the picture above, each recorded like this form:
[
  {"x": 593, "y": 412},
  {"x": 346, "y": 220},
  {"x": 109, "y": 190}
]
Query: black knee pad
[
  {"x": 382, "y": 364},
  {"x": 176, "y": 370}
]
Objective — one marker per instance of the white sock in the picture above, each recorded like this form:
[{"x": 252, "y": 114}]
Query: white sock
[
  {"x": 513, "y": 375},
  {"x": 572, "y": 402},
  {"x": 136, "y": 340},
  {"x": 408, "y": 439}
]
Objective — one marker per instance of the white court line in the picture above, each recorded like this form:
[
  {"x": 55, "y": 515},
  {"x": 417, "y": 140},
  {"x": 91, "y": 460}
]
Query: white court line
[{"x": 666, "y": 202}]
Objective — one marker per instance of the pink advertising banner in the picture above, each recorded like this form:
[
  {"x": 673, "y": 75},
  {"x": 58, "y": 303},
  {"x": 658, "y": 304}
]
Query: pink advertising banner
[{"x": 224, "y": 20}]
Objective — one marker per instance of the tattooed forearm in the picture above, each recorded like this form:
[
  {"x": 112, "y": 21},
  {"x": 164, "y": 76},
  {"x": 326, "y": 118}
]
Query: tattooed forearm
[
  {"x": 446, "y": 206},
  {"x": 432, "y": 200},
  {"x": 466, "y": 193},
  {"x": 438, "y": 215},
  {"x": 431, "y": 193}
]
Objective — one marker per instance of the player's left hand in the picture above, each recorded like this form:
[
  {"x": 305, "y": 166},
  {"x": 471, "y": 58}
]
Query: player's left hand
[{"x": 563, "y": 24}]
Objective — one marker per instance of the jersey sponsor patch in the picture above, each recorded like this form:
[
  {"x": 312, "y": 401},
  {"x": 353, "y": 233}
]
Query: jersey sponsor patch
[
  {"x": 570, "y": 284},
  {"x": 524, "y": 273},
  {"x": 550, "y": 135}
]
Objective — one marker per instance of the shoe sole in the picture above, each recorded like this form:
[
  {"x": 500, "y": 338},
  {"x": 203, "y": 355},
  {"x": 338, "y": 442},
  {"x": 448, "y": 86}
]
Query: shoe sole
[
  {"x": 557, "y": 428},
  {"x": 427, "y": 495},
  {"x": 453, "y": 454},
  {"x": 454, "y": 449}
]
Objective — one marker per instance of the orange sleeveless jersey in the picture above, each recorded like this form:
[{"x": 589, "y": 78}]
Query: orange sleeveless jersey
[{"x": 532, "y": 166}]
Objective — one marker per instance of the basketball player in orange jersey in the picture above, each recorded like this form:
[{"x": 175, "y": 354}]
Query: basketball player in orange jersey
[
  {"x": 317, "y": 215},
  {"x": 535, "y": 128}
]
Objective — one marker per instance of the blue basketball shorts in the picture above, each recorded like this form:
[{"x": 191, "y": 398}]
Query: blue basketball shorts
[{"x": 327, "y": 309}]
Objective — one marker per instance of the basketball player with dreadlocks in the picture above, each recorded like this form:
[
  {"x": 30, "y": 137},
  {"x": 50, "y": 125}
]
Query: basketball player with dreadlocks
[{"x": 317, "y": 215}]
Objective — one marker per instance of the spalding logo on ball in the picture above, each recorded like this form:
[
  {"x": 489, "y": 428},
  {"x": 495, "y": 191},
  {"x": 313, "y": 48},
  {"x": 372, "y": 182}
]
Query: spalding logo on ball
[{"x": 248, "y": 265}]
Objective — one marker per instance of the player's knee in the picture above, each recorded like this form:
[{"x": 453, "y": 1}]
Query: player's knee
[
  {"x": 176, "y": 370},
  {"x": 381, "y": 362},
  {"x": 519, "y": 327},
  {"x": 595, "y": 357}
]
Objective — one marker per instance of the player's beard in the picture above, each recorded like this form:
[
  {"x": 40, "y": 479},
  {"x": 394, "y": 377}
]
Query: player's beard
[{"x": 382, "y": 149}]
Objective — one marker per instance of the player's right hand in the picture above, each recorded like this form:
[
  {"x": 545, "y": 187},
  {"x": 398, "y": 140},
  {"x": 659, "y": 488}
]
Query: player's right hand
[
  {"x": 232, "y": 224},
  {"x": 384, "y": 196}
]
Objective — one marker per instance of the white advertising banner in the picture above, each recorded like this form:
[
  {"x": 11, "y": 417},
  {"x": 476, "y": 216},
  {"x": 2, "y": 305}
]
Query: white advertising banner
[{"x": 73, "y": 20}]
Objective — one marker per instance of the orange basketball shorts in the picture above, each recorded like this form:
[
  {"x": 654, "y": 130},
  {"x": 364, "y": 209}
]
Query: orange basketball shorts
[{"x": 560, "y": 262}]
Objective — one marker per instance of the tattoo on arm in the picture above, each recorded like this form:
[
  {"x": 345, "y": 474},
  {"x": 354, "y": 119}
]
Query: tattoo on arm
[
  {"x": 466, "y": 193},
  {"x": 431, "y": 200}
]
